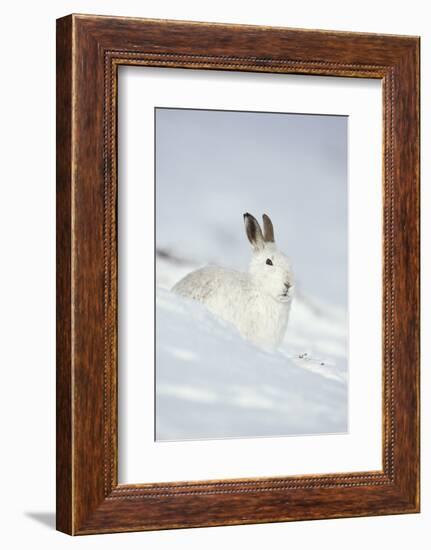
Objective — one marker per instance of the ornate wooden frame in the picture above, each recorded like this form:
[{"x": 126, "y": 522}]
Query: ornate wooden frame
[{"x": 89, "y": 51}]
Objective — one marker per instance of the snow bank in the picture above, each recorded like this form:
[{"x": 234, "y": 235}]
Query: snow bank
[{"x": 211, "y": 383}]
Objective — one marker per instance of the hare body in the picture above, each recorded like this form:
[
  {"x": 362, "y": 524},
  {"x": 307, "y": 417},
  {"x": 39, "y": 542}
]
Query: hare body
[{"x": 257, "y": 303}]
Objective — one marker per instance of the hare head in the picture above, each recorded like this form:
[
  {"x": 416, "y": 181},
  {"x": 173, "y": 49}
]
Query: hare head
[{"x": 269, "y": 268}]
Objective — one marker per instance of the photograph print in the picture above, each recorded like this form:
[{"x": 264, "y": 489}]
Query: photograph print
[{"x": 251, "y": 274}]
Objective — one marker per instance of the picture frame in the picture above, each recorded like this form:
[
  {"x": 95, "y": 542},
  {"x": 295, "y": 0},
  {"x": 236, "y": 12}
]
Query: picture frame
[{"x": 89, "y": 51}]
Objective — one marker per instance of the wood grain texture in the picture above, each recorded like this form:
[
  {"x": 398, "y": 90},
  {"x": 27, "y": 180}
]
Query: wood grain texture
[
  {"x": 90, "y": 49},
  {"x": 64, "y": 497}
]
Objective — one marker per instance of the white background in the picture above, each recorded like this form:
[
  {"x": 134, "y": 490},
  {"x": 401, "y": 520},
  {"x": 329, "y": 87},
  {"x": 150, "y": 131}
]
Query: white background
[
  {"x": 27, "y": 206},
  {"x": 141, "y": 458}
]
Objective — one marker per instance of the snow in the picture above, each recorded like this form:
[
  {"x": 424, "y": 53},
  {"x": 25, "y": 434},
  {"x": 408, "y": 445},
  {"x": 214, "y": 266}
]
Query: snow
[{"x": 211, "y": 383}]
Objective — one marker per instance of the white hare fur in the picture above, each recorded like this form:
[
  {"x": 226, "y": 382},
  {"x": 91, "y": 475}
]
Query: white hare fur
[{"x": 257, "y": 303}]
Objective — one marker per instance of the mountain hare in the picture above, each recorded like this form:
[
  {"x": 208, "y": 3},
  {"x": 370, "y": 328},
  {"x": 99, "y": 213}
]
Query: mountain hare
[{"x": 257, "y": 302}]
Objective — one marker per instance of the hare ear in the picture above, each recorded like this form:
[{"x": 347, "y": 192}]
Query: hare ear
[
  {"x": 268, "y": 229},
  {"x": 254, "y": 232}
]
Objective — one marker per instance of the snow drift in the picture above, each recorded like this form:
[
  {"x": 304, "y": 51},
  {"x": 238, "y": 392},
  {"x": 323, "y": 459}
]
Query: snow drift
[{"x": 211, "y": 383}]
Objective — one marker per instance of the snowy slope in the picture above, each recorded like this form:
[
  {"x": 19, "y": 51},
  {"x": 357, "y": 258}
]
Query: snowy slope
[{"x": 211, "y": 383}]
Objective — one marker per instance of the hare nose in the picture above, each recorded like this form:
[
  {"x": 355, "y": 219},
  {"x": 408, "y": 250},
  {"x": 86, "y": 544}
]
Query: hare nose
[{"x": 287, "y": 286}]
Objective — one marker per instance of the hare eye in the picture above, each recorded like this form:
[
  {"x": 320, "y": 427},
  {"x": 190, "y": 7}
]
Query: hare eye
[{"x": 269, "y": 262}]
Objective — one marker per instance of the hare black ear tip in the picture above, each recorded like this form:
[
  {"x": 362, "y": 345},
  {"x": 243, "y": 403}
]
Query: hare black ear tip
[{"x": 246, "y": 215}]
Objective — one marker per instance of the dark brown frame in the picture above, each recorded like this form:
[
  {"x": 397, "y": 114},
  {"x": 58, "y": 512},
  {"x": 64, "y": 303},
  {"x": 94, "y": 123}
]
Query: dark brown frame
[{"x": 89, "y": 50}]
